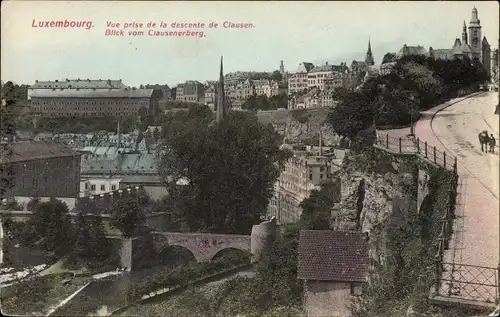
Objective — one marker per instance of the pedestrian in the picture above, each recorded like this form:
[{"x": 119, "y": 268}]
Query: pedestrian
[{"x": 492, "y": 143}]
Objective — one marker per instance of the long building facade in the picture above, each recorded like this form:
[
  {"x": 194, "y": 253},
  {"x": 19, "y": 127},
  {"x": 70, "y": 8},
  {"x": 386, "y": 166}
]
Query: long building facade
[
  {"x": 94, "y": 103},
  {"x": 40, "y": 169}
]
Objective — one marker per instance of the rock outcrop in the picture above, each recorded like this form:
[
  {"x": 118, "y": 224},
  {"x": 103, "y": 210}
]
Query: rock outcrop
[{"x": 300, "y": 125}]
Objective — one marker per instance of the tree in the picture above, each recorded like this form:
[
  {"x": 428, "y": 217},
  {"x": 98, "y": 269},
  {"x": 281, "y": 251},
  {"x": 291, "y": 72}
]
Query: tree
[
  {"x": 128, "y": 216},
  {"x": 353, "y": 114},
  {"x": 230, "y": 168},
  {"x": 388, "y": 57},
  {"x": 52, "y": 226},
  {"x": 156, "y": 134},
  {"x": 90, "y": 238},
  {"x": 276, "y": 76},
  {"x": 316, "y": 209}
]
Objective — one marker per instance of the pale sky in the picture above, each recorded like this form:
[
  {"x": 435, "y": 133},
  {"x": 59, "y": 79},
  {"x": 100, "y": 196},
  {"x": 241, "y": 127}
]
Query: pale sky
[{"x": 290, "y": 31}]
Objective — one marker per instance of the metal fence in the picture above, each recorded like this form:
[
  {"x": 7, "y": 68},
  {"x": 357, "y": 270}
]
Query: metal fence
[
  {"x": 476, "y": 283},
  {"x": 416, "y": 146}
]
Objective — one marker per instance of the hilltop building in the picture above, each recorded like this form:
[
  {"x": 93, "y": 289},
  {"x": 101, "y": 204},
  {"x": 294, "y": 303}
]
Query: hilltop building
[
  {"x": 470, "y": 45},
  {"x": 76, "y": 85},
  {"x": 64, "y": 102}
]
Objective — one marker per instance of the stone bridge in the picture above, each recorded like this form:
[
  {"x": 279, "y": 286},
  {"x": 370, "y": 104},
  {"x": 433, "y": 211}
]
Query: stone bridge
[
  {"x": 203, "y": 246},
  {"x": 142, "y": 250}
]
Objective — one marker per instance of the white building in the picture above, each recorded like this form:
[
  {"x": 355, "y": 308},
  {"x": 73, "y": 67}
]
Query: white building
[
  {"x": 298, "y": 79},
  {"x": 95, "y": 185}
]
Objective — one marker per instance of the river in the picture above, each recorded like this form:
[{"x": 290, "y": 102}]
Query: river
[{"x": 111, "y": 292}]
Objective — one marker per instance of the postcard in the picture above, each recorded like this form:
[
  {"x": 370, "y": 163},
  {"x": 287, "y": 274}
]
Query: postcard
[{"x": 249, "y": 158}]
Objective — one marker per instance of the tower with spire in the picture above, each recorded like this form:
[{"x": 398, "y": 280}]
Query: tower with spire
[
  {"x": 221, "y": 104},
  {"x": 369, "y": 56},
  {"x": 475, "y": 30}
]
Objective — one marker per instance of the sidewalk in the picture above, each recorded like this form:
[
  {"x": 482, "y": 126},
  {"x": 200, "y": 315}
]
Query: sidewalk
[{"x": 475, "y": 230}]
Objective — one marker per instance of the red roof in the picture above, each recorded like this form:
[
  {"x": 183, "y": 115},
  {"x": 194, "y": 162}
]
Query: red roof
[
  {"x": 327, "y": 255},
  {"x": 31, "y": 150}
]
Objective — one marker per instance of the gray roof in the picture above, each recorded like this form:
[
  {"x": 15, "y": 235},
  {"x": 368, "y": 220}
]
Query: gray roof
[
  {"x": 327, "y": 68},
  {"x": 442, "y": 53},
  {"x": 98, "y": 93},
  {"x": 304, "y": 67},
  {"x": 35, "y": 150},
  {"x": 412, "y": 50},
  {"x": 80, "y": 83}
]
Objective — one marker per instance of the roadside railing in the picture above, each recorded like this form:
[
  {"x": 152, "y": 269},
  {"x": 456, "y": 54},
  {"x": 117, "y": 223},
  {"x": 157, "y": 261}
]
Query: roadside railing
[
  {"x": 476, "y": 283},
  {"x": 416, "y": 146}
]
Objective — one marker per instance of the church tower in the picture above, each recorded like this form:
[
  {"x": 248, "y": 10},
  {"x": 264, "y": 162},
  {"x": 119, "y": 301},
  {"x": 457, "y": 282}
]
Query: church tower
[
  {"x": 475, "y": 32},
  {"x": 464, "y": 34},
  {"x": 282, "y": 68},
  {"x": 369, "y": 56},
  {"x": 221, "y": 104}
]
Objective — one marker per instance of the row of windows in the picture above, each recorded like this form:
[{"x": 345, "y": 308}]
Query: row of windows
[
  {"x": 103, "y": 187},
  {"x": 102, "y": 103}
]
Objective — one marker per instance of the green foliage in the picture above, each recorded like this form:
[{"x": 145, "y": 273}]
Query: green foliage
[
  {"x": 181, "y": 276},
  {"x": 394, "y": 100},
  {"x": 50, "y": 226},
  {"x": 230, "y": 166},
  {"x": 409, "y": 270},
  {"x": 355, "y": 112},
  {"x": 316, "y": 209},
  {"x": 388, "y": 57},
  {"x": 128, "y": 216},
  {"x": 276, "y": 76},
  {"x": 90, "y": 239}
]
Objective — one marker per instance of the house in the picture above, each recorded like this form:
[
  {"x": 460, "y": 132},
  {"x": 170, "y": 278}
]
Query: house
[{"x": 334, "y": 266}]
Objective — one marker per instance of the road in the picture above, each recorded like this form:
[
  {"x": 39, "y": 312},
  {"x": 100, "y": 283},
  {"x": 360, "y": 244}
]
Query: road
[{"x": 455, "y": 129}]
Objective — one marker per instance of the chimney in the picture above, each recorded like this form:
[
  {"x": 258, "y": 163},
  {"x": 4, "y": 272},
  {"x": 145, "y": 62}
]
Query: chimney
[{"x": 320, "y": 143}]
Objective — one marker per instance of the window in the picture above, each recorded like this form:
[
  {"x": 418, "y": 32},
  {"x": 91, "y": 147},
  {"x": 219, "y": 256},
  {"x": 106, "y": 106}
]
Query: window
[
  {"x": 113, "y": 187},
  {"x": 310, "y": 176},
  {"x": 356, "y": 289},
  {"x": 103, "y": 187},
  {"x": 86, "y": 186}
]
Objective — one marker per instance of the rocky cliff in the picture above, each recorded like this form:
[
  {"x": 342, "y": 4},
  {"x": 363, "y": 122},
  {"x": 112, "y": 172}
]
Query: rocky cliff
[
  {"x": 300, "y": 124},
  {"x": 373, "y": 199}
]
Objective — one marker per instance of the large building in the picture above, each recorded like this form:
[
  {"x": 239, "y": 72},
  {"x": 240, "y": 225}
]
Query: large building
[
  {"x": 471, "y": 45},
  {"x": 76, "y": 85},
  {"x": 40, "y": 169},
  {"x": 304, "y": 172},
  {"x": 191, "y": 91},
  {"x": 330, "y": 76},
  {"x": 298, "y": 81},
  {"x": 63, "y": 102}
]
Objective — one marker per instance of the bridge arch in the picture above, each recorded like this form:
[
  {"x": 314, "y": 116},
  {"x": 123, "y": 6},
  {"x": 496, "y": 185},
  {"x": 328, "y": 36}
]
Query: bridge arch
[
  {"x": 175, "y": 255},
  {"x": 202, "y": 246},
  {"x": 230, "y": 253}
]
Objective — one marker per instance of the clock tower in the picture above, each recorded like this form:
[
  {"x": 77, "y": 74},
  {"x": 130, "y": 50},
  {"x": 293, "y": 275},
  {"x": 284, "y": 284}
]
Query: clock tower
[{"x": 475, "y": 33}]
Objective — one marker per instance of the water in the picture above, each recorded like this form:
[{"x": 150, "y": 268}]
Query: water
[{"x": 110, "y": 292}]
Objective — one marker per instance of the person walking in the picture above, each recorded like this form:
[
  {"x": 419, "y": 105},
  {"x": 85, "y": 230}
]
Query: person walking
[{"x": 492, "y": 143}]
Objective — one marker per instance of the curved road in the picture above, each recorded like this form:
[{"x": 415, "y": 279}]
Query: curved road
[{"x": 456, "y": 128}]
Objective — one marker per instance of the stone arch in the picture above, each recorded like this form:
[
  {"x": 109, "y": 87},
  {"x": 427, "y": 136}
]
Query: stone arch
[
  {"x": 175, "y": 255},
  {"x": 231, "y": 251}
]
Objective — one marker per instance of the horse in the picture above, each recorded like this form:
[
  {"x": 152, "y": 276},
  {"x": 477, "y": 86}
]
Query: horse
[{"x": 484, "y": 140}]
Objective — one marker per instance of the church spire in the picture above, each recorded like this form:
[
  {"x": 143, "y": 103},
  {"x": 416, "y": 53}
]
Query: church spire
[
  {"x": 369, "y": 55},
  {"x": 464, "y": 34},
  {"x": 221, "y": 105}
]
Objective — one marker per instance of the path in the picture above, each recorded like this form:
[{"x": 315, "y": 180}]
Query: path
[{"x": 475, "y": 239}]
